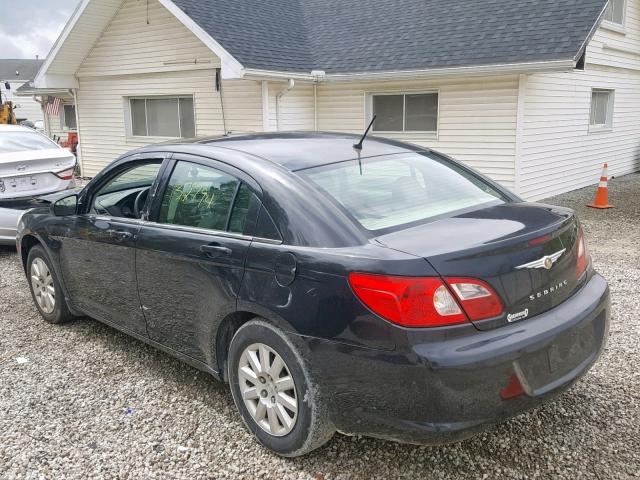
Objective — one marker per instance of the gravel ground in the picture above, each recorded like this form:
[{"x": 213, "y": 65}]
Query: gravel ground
[{"x": 85, "y": 401}]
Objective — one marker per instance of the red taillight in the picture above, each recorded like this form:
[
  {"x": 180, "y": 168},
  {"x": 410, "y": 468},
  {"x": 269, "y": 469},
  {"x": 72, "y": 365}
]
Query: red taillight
[
  {"x": 477, "y": 298},
  {"x": 582, "y": 261},
  {"x": 408, "y": 301},
  {"x": 65, "y": 174}
]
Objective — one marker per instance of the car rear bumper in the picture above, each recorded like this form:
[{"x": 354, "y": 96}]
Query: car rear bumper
[
  {"x": 444, "y": 391},
  {"x": 12, "y": 208},
  {"x": 8, "y": 225}
]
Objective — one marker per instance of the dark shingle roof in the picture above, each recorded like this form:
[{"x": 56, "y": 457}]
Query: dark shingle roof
[
  {"x": 348, "y": 36},
  {"x": 26, "y": 68}
]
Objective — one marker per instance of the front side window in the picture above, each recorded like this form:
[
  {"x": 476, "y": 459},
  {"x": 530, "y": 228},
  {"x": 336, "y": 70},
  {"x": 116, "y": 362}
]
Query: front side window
[
  {"x": 615, "y": 11},
  {"x": 68, "y": 117},
  {"x": 601, "y": 108},
  {"x": 388, "y": 192},
  {"x": 162, "y": 117},
  {"x": 203, "y": 197},
  {"x": 23, "y": 141},
  {"x": 117, "y": 197},
  {"x": 405, "y": 112}
]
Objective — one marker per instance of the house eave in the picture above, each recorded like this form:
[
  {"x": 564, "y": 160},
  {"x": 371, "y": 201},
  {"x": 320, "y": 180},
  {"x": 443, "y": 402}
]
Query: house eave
[
  {"x": 55, "y": 92},
  {"x": 473, "y": 70}
]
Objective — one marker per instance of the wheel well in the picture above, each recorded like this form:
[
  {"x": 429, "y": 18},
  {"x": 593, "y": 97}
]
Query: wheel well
[
  {"x": 27, "y": 243},
  {"x": 226, "y": 331}
]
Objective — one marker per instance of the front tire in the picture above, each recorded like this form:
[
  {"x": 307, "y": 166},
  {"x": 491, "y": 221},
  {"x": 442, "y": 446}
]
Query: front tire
[
  {"x": 274, "y": 393},
  {"x": 45, "y": 287}
]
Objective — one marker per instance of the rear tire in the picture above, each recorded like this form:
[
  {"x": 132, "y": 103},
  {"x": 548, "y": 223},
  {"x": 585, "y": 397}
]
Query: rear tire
[
  {"x": 46, "y": 290},
  {"x": 274, "y": 392}
]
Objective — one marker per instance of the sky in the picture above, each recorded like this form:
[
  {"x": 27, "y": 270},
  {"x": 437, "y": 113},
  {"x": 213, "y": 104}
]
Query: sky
[{"x": 29, "y": 27}]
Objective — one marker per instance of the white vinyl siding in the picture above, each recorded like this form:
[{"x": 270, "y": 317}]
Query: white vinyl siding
[
  {"x": 85, "y": 33},
  {"x": 615, "y": 45},
  {"x": 296, "y": 107},
  {"x": 560, "y": 151},
  {"x": 130, "y": 45},
  {"x": 102, "y": 104},
  {"x": 476, "y": 125}
]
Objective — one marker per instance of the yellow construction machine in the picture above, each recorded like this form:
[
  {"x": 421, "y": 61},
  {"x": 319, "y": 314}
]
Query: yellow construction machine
[{"x": 7, "y": 116}]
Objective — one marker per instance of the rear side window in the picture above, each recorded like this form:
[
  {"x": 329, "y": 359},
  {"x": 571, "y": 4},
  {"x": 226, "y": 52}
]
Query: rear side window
[
  {"x": 240, "y": 211},
  {"x": 203, "y": 197},
  {"x": 23, "y": 141},
  {"x": 389, "y": 192}
]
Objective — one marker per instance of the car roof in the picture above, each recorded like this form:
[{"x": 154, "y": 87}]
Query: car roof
[
  {"x": 15, "y": 128},
  {"x": 300, "y": 150}
]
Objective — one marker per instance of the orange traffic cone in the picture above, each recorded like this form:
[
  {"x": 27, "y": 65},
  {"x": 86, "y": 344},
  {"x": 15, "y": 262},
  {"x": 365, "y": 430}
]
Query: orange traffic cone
[{"x": 601, "y": 195}]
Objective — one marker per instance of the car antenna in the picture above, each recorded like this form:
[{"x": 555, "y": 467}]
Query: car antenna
[{"x": 358, "y": 146}]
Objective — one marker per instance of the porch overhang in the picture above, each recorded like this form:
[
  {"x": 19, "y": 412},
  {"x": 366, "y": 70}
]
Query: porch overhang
[{"x": 50, "y": 81}]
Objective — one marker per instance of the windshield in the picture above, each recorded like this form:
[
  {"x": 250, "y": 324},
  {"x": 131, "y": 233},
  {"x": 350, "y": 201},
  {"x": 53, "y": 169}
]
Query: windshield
[
  {"x": 23, "y": 141},
  {"x": 386, "y": 192}
]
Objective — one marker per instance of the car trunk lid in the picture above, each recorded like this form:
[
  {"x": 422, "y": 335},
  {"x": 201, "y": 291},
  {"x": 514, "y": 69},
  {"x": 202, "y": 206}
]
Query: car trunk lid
[
  {"x": 14, "y": 164},
  {"x": 526, "y": 252}
]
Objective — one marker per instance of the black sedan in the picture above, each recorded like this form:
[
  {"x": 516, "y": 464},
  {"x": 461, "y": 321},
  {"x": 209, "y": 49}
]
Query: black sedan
[{"x": 386, "y": 291}]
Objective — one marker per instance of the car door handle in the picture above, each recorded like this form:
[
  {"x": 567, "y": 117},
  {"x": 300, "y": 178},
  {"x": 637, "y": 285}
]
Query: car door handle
[
  {"x": 119, "y": 234},
  {"x": 215, "y": 250}
]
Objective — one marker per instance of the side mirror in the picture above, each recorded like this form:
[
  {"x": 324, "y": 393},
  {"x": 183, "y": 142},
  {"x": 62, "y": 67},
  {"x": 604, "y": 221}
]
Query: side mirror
[{"x": 66, "y": 206}]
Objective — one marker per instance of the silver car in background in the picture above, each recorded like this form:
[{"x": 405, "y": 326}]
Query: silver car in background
[{"x": 30, "y": 165}]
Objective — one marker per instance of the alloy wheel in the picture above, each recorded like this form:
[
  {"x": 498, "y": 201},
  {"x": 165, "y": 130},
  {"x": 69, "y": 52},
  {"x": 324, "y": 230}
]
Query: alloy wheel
[
  {"x": 268, "y": 390},
  {"x": 42, "y": 285}
]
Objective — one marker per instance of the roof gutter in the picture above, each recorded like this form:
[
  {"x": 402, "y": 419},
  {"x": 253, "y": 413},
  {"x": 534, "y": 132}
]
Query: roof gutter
[{"x": 478, "y": 70}]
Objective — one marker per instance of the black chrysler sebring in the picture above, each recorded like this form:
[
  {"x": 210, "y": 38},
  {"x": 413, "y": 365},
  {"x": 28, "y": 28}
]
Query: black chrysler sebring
[{"x": 385, "y": 290}]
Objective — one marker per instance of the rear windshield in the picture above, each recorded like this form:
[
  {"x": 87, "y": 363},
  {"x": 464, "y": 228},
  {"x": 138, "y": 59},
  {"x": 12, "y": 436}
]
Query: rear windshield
[
  {"x": 23, "y": 141},
  {"x": 388, "y": 192}
]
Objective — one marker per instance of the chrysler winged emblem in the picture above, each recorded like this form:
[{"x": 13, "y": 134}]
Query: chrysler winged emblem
[{"x": 544, "y": 262}]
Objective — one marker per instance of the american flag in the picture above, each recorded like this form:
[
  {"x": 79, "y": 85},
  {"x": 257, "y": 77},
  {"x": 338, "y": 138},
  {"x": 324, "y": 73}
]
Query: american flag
[{"x": 52, "y": 107}]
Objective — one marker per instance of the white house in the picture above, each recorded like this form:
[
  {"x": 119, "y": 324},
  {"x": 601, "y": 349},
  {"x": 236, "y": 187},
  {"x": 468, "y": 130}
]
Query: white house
[
  {"x": 15, "y": 73},
  {"x": 537, "y": 95}
]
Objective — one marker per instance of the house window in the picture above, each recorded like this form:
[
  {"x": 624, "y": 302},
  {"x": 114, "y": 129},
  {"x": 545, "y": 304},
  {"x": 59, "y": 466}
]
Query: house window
[
  {"x": 601, "y": 108},
  {"x": 405, "y": 112},
  {"x": 68, "y": 117},
  {"x": 162, "y": 117},
  {"x": 615, "y": 11}
]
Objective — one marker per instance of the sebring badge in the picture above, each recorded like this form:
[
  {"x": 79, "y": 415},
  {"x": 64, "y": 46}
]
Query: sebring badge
[{"x": 544, "y": 262}]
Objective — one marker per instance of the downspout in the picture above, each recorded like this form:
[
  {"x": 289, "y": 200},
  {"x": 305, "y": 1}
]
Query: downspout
[
  {"x": 315, "y": 106},
  {"x": 520, "y": 132},
  {"x": 279, "y": 96},
  {"x": 79, "y": 146},
  {"x": 45, "y": 116},
  {"x": 318, "y": 76}
]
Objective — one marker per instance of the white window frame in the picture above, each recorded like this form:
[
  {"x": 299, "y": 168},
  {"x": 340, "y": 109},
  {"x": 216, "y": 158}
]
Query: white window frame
[
  {"x": 63, "y": 118},
  {"x": 615, "y": 26},
  {"x": 608, "y": 126},
  {"x": 129, "y": 114},
  {"x": 404, "y": 93}
]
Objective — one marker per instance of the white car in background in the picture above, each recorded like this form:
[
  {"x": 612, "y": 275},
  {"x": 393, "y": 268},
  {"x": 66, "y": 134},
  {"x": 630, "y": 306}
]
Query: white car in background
[{"x": 30, "y": 165}]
